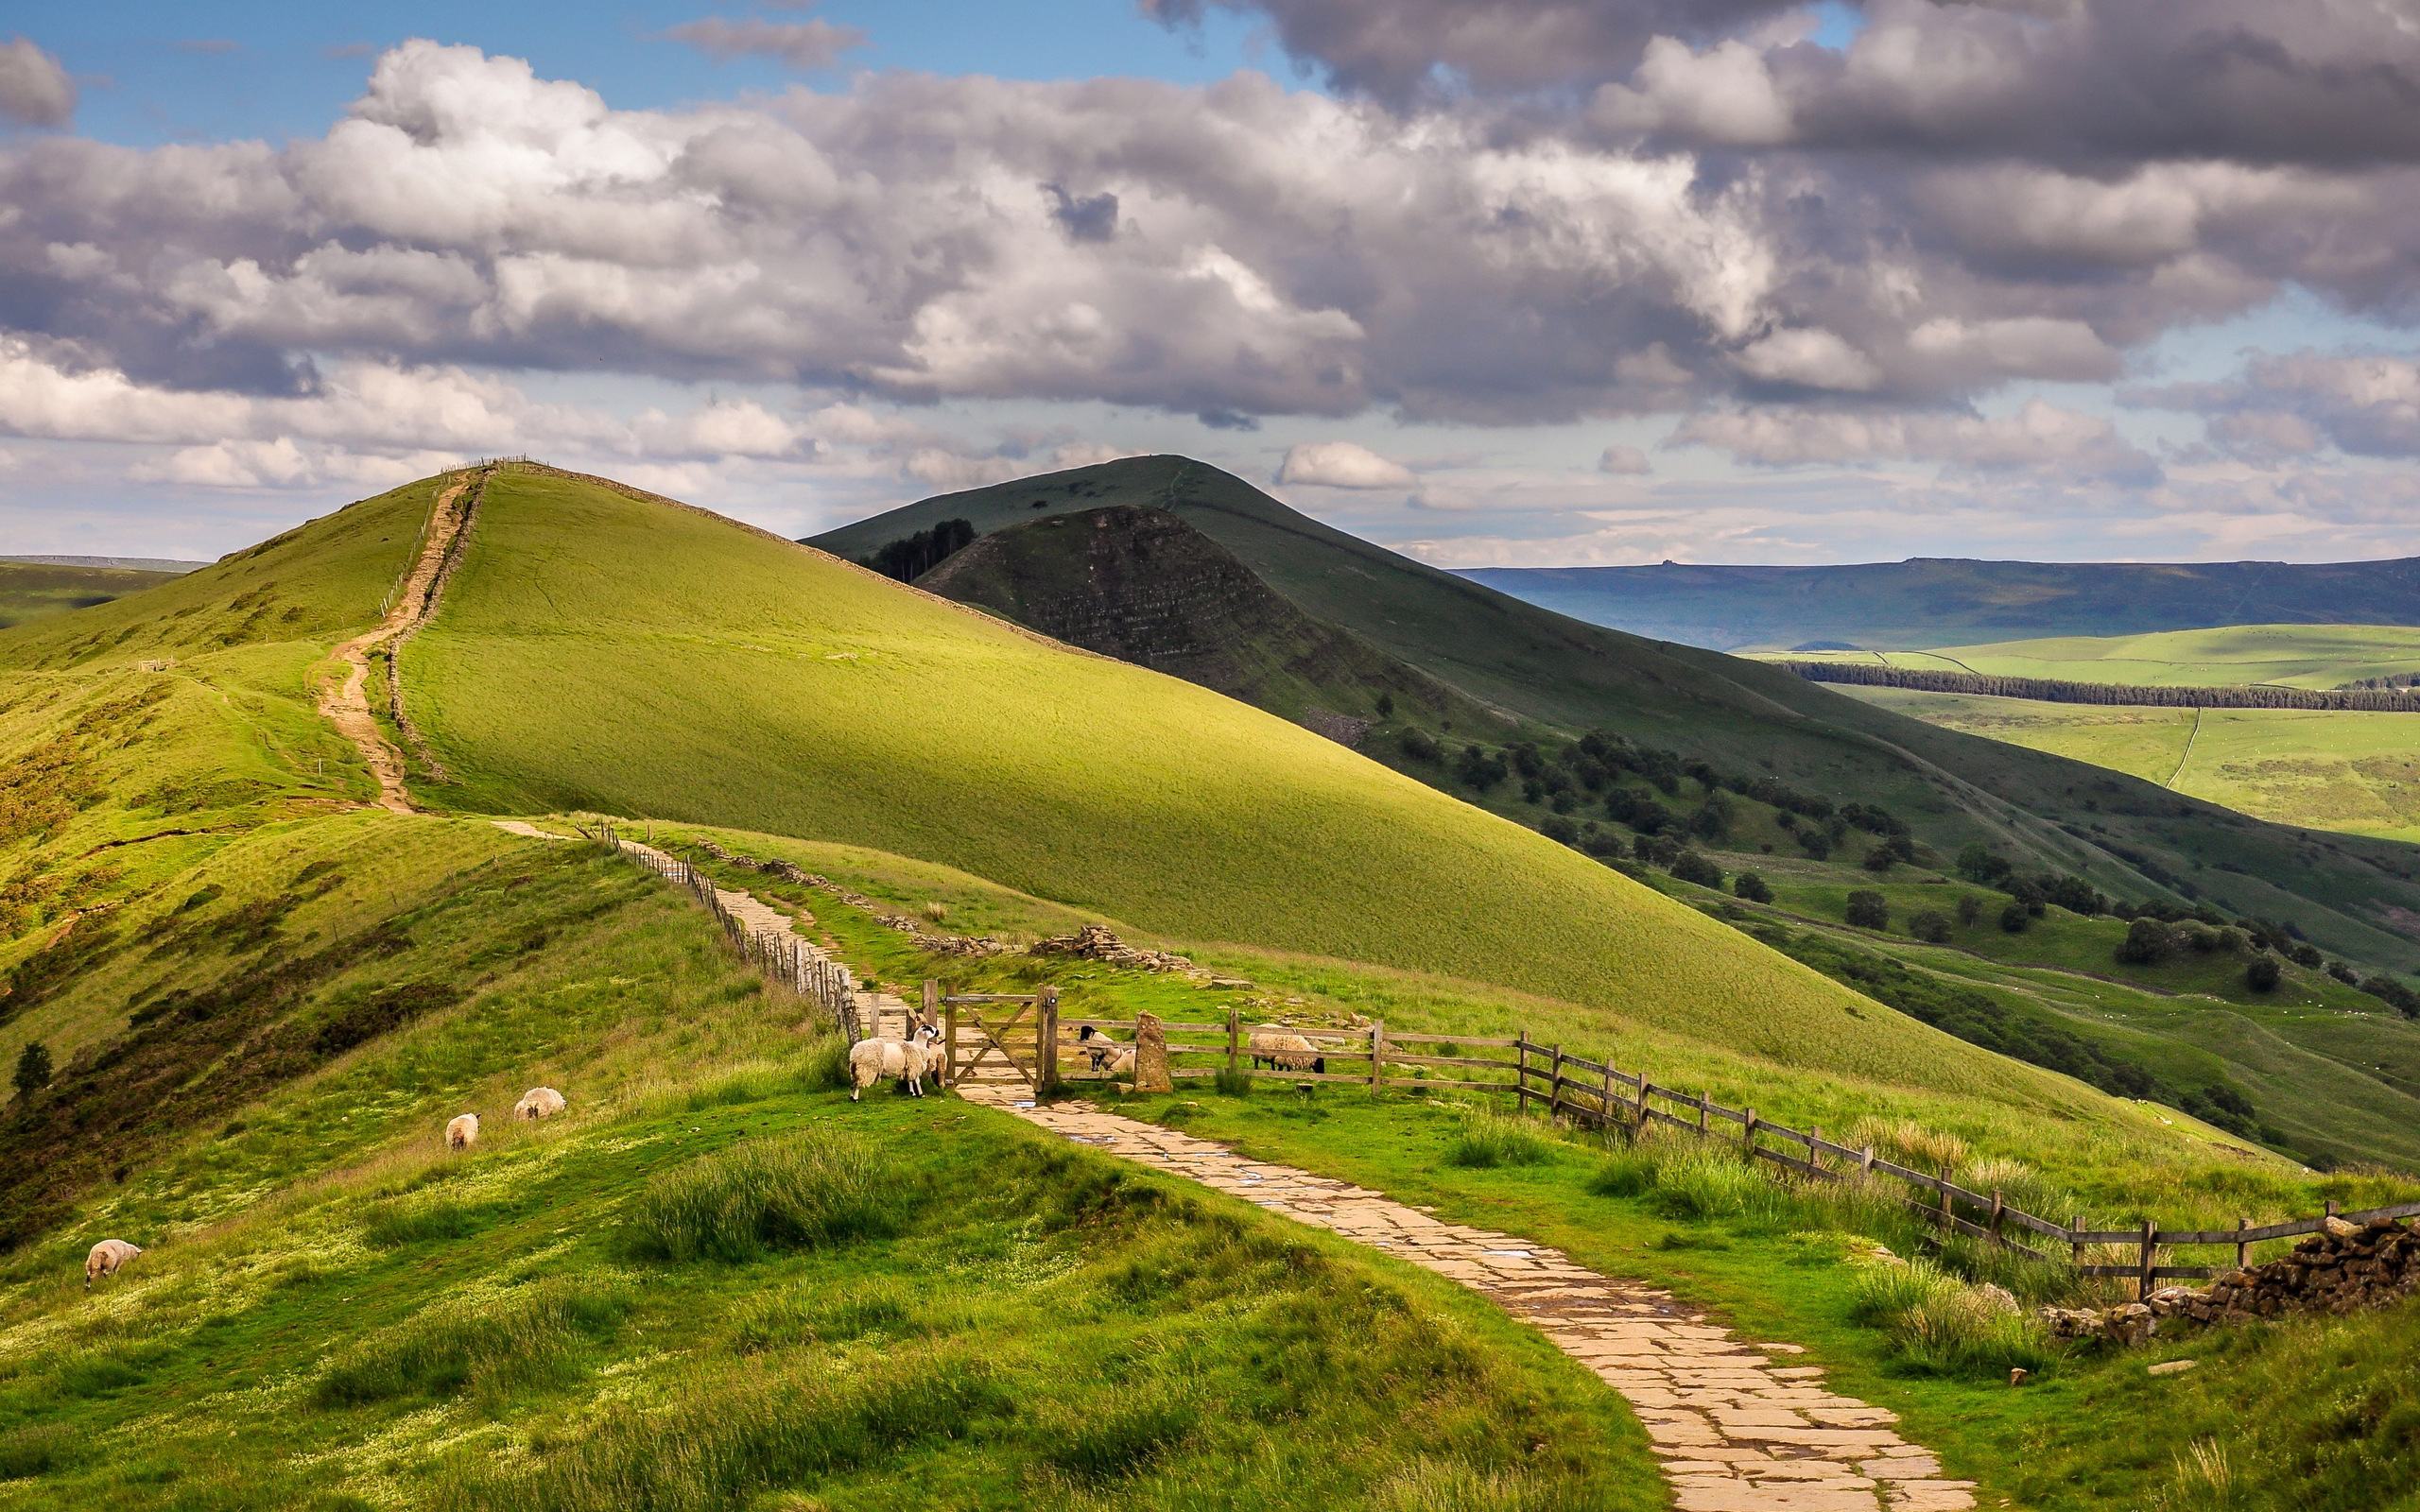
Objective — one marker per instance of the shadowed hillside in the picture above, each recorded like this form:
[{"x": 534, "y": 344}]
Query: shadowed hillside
[{"x": 2356, "y": 896}]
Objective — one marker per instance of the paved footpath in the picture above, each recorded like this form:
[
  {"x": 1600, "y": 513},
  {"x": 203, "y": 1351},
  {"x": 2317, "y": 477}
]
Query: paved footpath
[{"x": 1736, "y": 1430}]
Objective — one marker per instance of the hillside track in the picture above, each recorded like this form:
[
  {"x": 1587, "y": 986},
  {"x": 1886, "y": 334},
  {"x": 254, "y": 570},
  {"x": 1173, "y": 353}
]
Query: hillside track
[
  {"x": 346, "y": 702},
  {"x": 1736, "y": 1429}
]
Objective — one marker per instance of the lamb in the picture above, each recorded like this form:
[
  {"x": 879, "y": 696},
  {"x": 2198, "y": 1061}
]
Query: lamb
[
  {"x": 1284, "y": 1050},
  {"x": 462, "y": 1131},
  {"x": 537, "y": 1103},
  {"x": 108, "y": 1258},
  {"x": 1107, "y": 1054},
  {"x": 910, "y": 1060}
]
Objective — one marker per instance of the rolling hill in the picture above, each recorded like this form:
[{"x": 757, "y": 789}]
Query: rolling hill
[
  {"x": 31, "y": 587},
  {"x": 2356, "y": 895},
  {"x": 1942, "y": 601}
]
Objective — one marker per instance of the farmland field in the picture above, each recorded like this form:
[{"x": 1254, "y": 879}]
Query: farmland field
[{"x": 2295, "y": 656}]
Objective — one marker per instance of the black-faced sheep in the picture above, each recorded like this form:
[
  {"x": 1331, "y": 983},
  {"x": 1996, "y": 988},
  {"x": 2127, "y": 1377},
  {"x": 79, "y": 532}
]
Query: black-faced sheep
[
  {"x": 462, "y": 1131},
  {"x": 1106, "y": 1055},
  {"x": 537, "y": 1103},
  {"x": 1284, "y": 1050},
  {"x": 108, "y": 1258},
  {"x": 910, "y": 1060}
]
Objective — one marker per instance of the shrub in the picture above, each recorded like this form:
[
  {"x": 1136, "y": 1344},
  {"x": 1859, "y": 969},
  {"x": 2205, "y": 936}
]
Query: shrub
[
  {"x": 1869, "y": 910},
  {"x": 2148, "y": 942},
  {"x": 2015, "y": 919},
  {"x": 1692, "y": 868},
  {"x": 2261, "y": 973},
  {"x": 1752, "y": 888},
  {"x": 1488, "y": 1140},
  {"x": 1931, "y": 926},
  {"x": 1970, "y": 909},
  {"x": 33, "y": 1067},
  {"x": 766, "y": 1195}
]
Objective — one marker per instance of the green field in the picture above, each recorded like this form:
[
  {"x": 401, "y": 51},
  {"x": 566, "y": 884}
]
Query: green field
[
  {"x": 263, "y": 1000},
  {"x": 32, "y": 590},
  {"x": 2291, "y": 656}
]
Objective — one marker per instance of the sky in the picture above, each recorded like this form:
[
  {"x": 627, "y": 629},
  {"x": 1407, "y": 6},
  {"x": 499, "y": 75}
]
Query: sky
[{"x": 1492, "y": 282}]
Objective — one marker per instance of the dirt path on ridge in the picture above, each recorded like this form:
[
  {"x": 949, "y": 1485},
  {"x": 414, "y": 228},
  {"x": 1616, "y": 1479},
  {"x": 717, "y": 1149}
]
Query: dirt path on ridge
[{"x": 346, "y": 703}]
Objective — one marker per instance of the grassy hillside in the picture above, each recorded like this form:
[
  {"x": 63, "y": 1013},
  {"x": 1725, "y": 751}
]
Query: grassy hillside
[
  {"x": 1928, "y": 602},
  {"x": 1145, "y": 587},
  {"x": 32, "y": 590},
  {"x": 2356, "y": 895},
  {"x": 2292, "y": 656},
  {"x": 600, "y": 651}
]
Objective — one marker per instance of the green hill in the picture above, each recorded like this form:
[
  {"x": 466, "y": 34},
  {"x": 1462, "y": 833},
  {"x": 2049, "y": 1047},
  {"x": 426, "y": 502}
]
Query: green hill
[
  {"x": 1928, "y": 602},
  {"x": 33, "y": 590},
  {"x": 2354, "y": 896}
]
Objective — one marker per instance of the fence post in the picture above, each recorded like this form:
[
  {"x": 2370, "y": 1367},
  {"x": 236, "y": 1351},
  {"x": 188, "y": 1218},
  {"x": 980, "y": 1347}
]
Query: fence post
[
  {"x": 1999, "y": 1207},
  {"x": 1945, "y": 1213},
  {"x": 2075, "y": 1245},
  {"x": 1643, "y": 1085},
  {"x": 1521, "y": 1069},
  {"x": 1705, "y": 1097},
  {"x": 1377, "y": 1051},
  {"x": 2143, "y": 1282},
  {"x": 1554, "y": 1084},
  {"x": 932, "y": 1000},
  {"x": 1605, "y": 1094},
  {"x": 1747, "y": 1136},
  {"x": 949, "y": 1036},
  {"x": 1235, "y": 1039},
  {"x": 2242, "y": 1250},
  {"x": 1046, "y": 1004},
  {"x": 1865, "y": 1160}
]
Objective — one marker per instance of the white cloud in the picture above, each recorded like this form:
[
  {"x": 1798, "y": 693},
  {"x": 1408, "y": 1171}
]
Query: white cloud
[
  {"x": 34, "y": 90},
  {"x": 1810, "y": 358},
  {"x": 1342, "y": 465}
]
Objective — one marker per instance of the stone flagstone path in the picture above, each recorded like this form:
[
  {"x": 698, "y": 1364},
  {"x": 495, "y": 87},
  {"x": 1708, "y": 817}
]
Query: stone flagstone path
[{"x": 1736, "y": 1431}]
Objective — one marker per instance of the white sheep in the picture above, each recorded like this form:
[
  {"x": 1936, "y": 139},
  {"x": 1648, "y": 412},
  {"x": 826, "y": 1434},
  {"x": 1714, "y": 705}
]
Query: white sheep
[
  {"x": 537, "y": 1103},
  {"x": 1111, "y": 1055},
  {"x": 910, "y": 1060},
  {"x": 108, "y": 1258},
  {"x": 462, "y": 1131},
  {"x": 1281, "y": 1049}
]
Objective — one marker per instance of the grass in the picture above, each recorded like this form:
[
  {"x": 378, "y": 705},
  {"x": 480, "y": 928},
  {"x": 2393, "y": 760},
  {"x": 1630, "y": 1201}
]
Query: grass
[
  {"x": 492, "y": 1349},
  {"x": 761, "y": 1198},
  {"x": 2293, "y": 656},
  {"x": 32, "y": 590}
]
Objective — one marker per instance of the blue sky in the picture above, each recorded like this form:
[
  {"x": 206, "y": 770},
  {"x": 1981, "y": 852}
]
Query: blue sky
[{"x": 1611, "y": 281}]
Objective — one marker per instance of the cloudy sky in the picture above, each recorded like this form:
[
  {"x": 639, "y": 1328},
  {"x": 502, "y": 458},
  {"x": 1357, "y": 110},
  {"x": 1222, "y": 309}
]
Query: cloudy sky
[{"x": 1493, "y": 280}]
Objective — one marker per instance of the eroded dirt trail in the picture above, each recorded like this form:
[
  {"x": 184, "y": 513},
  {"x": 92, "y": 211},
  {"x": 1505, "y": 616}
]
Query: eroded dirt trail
[
  {"x": 1736, "y": 1429},
  {"x": 346, "y": 702}
]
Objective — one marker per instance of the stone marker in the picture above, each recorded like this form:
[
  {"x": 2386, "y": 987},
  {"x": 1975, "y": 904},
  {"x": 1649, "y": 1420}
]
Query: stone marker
[
  {"x": 1152, "y": 1055},
  {"x": 2171, "y": 1368}
]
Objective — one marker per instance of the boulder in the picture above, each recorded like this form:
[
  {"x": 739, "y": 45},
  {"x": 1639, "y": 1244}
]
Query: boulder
[{"x": 1152, "y": 1055}]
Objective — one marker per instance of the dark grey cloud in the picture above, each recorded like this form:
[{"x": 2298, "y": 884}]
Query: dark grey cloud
[
  {"x": 2286, "y": 404},
  {"x": 1084, "y": 218},
  {"x": 34, "y": 90}
]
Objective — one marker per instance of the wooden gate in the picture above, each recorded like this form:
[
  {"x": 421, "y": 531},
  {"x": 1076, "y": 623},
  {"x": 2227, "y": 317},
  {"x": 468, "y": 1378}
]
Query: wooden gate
[{"x": 995, "y": 1037}]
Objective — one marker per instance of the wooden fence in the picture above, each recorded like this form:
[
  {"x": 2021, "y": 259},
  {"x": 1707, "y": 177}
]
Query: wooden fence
[
  {"x": 778, "y": 954},
  {"x": 1594, "y": 1093}
]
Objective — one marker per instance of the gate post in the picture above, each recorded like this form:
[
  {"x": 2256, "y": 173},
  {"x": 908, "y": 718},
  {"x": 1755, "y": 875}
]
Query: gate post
[
  {"x": 932, "y": 1000},
  {"x": 1235, "y": 1039},
  {"x": 949, "y": 1034},
  {"x": 1045, "y": 1029},
  {"x": 1377, "y": 1053}
]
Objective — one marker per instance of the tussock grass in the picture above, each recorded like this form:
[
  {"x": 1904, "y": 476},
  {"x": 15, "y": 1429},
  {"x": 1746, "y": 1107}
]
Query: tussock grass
[
  {"x": 767, "y": 1196},
  {"x": 1907, "y": 1141},
  {"x": 1486, "y": 1139},
  {"x": 489, "y": 1347},
  {"x": 1940, "y": 1325}
]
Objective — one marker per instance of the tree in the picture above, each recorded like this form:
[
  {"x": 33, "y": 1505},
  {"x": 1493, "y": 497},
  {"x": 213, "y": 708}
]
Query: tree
[
  {"x": 2148, "y": 942},
  {"x": 1869, "y": 910},
  {"x": 1931, "y": 926},
  {"x": 2016, "y": 917},
  {"x": 1386, "y": 706},
  {"x": 1970, "y": 909},
  {"x": 1980, "y": 863},
  {"x": 1690, "y": 866},
  {"x": 2261, "y": 973},
  {"x": 1752, "y": 888},
  {"x": 33, "y": 1067}
]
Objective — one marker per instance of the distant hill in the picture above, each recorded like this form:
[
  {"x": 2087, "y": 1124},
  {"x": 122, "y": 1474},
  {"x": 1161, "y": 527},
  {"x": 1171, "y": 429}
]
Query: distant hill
[
  {"x": 1933, "y": 601},
  {"x": 32, "y": 588},
  {"x": 145, "y": 564},
  {"x": 2358, "y": 896}
]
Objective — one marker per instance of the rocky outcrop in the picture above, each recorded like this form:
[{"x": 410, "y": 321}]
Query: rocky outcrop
[{"x": 2343, "y": 1268}]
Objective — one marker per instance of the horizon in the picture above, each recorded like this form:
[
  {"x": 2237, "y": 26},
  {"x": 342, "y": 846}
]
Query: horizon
[{"x": 1622, "y": 285}]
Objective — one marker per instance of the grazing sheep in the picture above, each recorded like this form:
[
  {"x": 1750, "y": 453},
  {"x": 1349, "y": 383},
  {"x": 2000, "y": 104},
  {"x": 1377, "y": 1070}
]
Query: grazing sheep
[
  {"x": 108, "y": 1258},
  {"x": 908, "y": 1061},
  {"x": 1107, "y": 1054},
  {"x": 462, "y": 1131},
  {"x": 537, "y": 1103},
  {"x": 1284, "y": 1050}
]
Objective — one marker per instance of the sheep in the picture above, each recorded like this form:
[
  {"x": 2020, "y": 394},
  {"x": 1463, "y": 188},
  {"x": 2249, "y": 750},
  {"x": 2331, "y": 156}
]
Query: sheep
[
  {"x": 910, "y": 1060},
  {"x": 462, "y": 1131},
  {"x": 1107, "y": 1054},
  {"x": 1282, "y": 1049},
  {"x": 537, "y": 1103},
  {"x": 108, "y": 1258}
]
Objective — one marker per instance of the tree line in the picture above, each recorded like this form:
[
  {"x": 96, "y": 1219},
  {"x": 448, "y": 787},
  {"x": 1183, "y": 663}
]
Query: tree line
[{"x": 2061, "y": 690}]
